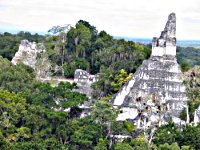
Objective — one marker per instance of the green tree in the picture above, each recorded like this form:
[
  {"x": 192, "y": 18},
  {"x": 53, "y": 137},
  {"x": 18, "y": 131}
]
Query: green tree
[
  {"x": 80, "y": 38},
  {"x": 122, "y": 146},
  {"x": 76, "y": 63},
  {"x": 119, "y": 79},
  {"x": 139, "y": 143},
  {"x": 129, "y": 126},
  {"x": 183, "y": 115},
  {"x": 185, "y": 66},
  {"x": 15, "y": 78},
  {"x": 23, "y": 133},
  {"x": 166, "y": 134},
  {"x": 120, "y": 127},
  {"x": 192, "y": 84},
  {"x": 87, "y": 136},
  {"x": 190, "y": 54},
  {"x": 189, "y": 136},
  {"x": 185, "y": 147},
  {"x": 166, "y": 146},
  {"x": 105, "y": 114},
  {"x": 62, "y": 34},
  {"x": 102, "y": 145},
  {"x": 12, "y": 112}
]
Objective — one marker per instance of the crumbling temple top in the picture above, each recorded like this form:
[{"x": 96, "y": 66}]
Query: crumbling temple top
[{"x": 166, "y": 43}]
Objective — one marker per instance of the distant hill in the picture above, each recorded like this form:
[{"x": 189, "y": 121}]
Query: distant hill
[
  {"x": 186, "y": 49},
  {"x": 191, "y": 54},
  {"x": 182, "y": 43}
]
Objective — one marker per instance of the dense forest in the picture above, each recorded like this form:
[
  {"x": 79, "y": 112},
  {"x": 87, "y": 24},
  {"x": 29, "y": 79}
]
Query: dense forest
[
  {"x": 97, "y": 52},
  {"x": 35, "y": 115},
  {"x": 86, "y": 48},
  {"x": 188, "y": 55}
]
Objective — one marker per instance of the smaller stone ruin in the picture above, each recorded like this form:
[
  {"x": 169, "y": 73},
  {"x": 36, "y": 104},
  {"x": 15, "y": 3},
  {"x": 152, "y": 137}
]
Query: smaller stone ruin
[
  {"x": 84, "y": 80},
  {"x": 34, "y": 55},
  {"x": 82, "y": 77}
]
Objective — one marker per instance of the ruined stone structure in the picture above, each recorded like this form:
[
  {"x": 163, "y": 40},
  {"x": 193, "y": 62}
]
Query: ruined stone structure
[
  {"x": 84, "y": 81},
  {"x": 166, "y": 43},
  {"x": 82, "y": 77},
  {"x": 33, "y": 54},
  {"x": 156, "y": 90}
]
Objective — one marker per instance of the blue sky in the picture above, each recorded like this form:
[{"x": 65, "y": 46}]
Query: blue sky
[{"x": 130, "y": 18}]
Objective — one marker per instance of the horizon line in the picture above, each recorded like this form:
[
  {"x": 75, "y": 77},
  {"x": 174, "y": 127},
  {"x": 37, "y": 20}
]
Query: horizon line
[{"x": 114, "y": 36}]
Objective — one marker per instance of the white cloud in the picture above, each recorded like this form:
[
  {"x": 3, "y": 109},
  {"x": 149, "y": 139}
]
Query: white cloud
[{"x": 143, "y": 18}]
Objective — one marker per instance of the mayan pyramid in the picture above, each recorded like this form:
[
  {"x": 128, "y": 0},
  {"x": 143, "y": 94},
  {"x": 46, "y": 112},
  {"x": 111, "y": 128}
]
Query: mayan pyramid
[{"x": 160, "y": 76}]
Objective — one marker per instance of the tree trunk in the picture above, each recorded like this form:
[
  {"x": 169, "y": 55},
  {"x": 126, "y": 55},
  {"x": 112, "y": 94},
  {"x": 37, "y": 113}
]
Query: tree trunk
[
  {"x": 110, "y": 143},
  {"x": 188, "y": 116},
  {"x": 138, "y": 122},
  {"x": 76, "y": 43},
  {"x": 108, "y": 128},
  {"x": 62, "y": 60}
]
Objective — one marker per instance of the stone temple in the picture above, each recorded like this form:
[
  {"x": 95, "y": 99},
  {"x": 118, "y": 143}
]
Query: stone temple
[
  {"x": 156, "y": 90},
  {"x": 33, "y": 55}
]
